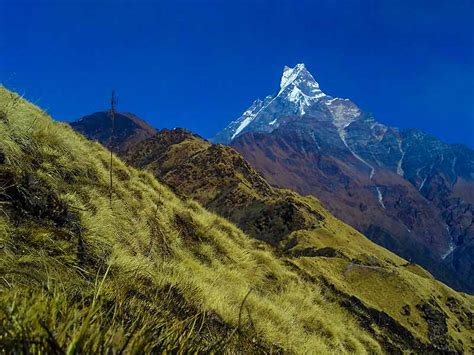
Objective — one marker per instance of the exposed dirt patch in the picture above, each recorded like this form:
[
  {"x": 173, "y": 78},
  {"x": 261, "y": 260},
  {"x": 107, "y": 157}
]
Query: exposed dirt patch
[
  {"x": 394, "y": 337},
  {"x": 465, "y": 316},
  {"x": 437, "y": 326},
  {"x": 29, "y": 196}
]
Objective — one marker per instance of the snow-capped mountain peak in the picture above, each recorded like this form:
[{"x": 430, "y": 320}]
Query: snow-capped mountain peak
[
  {"x": 290, "y": 74},
  {"x": 300, "y": 77},
  {"x": 299, "y": 95}
]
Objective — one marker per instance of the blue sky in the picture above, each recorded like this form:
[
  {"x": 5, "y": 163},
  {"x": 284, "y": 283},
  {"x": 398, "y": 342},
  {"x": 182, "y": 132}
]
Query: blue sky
[{"x": 199, "y": 64}]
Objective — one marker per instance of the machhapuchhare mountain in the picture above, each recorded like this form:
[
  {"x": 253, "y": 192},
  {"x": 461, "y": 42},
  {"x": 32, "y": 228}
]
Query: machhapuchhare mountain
[
  {"x": 175, "y": 244},
  {"x": 404, "y": 189},
  {"x": 236, "y": 177}
]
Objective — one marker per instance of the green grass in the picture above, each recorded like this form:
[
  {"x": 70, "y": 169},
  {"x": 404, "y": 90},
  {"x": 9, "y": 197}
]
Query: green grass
[
  {"x": 81, "y": 274},
  {"x": 149, "y": 272}
]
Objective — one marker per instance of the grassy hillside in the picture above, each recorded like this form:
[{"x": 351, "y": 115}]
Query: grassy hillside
[
  {"x": 147, "y": 271},
  {"x": 300, "y": 229}
]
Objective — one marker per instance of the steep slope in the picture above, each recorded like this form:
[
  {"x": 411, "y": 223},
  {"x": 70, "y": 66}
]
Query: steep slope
[
  {"x": 146, "y": 271},
  {"x": 127, "y": 129},
  {"x": 405, "y": 190},
  {"x": 302, "y": 231},
  {"x": 221, "y": 180}
]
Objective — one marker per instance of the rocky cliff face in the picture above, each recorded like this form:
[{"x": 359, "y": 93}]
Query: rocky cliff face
[{"x": 406, "y": 190}]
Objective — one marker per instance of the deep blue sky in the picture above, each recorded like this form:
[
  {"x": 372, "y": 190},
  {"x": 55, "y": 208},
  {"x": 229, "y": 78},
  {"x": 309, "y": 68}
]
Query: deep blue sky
[{"x": 199, "y": 64}]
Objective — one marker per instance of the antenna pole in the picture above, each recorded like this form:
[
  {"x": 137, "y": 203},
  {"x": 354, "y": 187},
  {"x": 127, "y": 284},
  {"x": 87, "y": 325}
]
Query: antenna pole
[{"x": 113, "y": 102}]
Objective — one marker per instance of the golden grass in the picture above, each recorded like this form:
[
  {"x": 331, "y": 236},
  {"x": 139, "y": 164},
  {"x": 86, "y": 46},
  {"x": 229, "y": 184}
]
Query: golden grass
[
  {"x": 149, "y": 272},
  {"x": 145, "y": 272}
]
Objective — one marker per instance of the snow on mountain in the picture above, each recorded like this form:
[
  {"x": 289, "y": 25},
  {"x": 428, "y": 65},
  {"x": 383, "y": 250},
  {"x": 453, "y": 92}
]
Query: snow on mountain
[
  {"x": 299, "y": 95},
  {"x": 343, "y": 110},
  {"x": 411, "y": 184},
  {"x": 248, "y": 116}
]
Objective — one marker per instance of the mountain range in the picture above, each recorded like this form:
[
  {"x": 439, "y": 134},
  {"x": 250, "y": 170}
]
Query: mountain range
[
  {"x": 404, "y": 189},
  {"x": 297, "y": 228},
  {"x": 179, "y": 244},
  {"x": 100, "y": 257}
]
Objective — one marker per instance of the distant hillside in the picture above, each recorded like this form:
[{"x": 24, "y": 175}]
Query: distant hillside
[
  {"x": 128, "y": 129},
  {"x": 299, "y": 227}
]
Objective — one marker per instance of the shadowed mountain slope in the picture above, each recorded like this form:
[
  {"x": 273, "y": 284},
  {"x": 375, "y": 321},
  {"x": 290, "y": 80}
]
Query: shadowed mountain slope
[
  {"x": 220, "y": 179},
  {"x": 127, "y": 129}
]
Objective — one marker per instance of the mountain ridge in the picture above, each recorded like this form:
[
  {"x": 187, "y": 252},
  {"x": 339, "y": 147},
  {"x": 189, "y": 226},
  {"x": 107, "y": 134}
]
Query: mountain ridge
[
  {"x": 379, "y": 159},
  {"x": 136, "y": 270},
  {"x": 127, "y": 129},
  {"x": 200, "y": 168}
]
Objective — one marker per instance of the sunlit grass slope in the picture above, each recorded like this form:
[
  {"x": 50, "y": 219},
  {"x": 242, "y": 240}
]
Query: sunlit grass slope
[
  {"x": 401, "y": 302},
  {"x": 147, "y": 271}
]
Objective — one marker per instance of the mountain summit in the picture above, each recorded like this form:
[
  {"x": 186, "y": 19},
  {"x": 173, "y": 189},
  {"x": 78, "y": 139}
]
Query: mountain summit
[
  {"x": 301, "y": 81},
  {"x": 299, "y": 95},
  {"x": 404, "y": 189},
  {"x": 127, "y": 129}
]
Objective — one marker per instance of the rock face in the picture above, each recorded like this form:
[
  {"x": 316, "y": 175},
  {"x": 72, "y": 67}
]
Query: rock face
[
  {"x": 128, "y": 129},
  {"x": 404, "y": 189}
]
